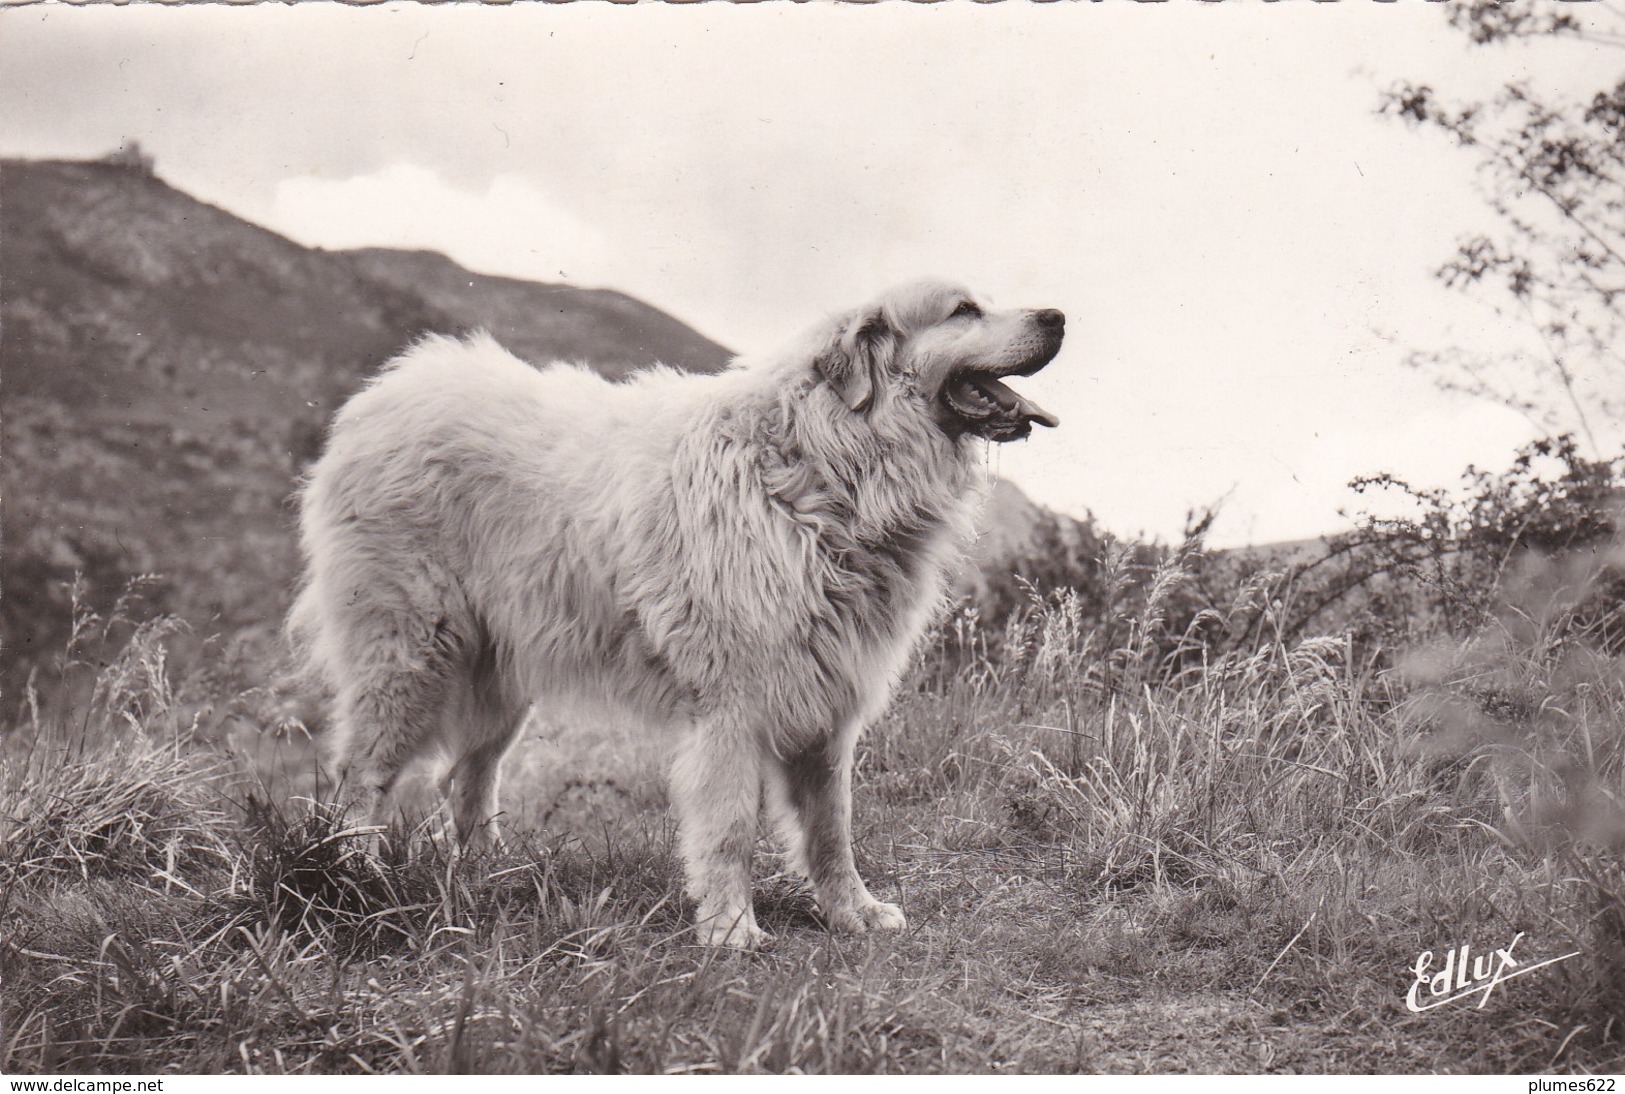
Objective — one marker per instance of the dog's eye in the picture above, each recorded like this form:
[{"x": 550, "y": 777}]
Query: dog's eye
[{"x": 967, "y": 309}]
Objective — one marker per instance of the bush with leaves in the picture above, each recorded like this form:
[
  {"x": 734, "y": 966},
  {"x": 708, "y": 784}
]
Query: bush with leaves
[{"x": 1445, "y": 567}]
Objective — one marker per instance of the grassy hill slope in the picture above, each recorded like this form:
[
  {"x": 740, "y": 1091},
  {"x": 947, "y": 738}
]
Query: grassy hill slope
[{"x": 609, "y": 330}]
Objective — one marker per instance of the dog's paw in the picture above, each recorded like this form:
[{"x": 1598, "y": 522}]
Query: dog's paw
[
  {"x": 740, "y": 932},
  {"x": 871, "y": 915},
  {"x": 880, "y": 916}
]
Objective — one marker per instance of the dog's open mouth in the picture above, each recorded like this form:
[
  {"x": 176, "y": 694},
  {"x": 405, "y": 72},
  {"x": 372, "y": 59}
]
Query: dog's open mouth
[{"x": 986, "y": 405}]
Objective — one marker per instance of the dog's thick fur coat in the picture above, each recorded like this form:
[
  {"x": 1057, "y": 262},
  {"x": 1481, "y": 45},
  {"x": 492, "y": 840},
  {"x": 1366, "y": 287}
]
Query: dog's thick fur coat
[{"x": 744, "y": 560}]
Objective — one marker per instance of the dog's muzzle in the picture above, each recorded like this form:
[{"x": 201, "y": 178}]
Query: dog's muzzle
[{"x": 985, "y": 405}]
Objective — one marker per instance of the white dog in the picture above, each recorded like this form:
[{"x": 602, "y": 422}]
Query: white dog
[{"x": 744, "y": 561}]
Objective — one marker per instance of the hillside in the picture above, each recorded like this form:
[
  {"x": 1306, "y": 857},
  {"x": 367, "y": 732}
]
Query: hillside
[
  {"x": 613, "y": 332},
  {"x": 170, "y": 367}
]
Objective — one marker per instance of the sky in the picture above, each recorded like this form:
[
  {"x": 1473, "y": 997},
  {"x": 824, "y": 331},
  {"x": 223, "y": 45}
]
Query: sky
[{"x": 1243, "y": 247}]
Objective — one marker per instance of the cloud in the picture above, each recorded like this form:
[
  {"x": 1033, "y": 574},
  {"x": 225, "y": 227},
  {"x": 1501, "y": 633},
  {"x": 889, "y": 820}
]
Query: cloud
[{"x": 511, "y": 227}]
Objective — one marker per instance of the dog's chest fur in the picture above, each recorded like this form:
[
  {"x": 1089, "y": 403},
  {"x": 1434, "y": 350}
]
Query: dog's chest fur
[
  {"x": 814, "y": 552},
  {"x": 884, "y": 540}
]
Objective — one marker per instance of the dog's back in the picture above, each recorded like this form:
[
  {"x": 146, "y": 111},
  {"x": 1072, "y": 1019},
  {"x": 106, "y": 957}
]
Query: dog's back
[{"x": 469, "y": 505}]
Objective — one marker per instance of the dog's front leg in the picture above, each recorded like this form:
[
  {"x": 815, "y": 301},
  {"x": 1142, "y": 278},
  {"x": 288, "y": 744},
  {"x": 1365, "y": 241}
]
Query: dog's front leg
[
  {"x": 818, "y": 785},
  {"x": 716, "y": 790}
]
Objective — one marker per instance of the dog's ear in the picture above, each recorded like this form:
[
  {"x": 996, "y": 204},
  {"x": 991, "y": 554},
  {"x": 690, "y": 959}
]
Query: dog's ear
[{"x": 857, "y": 357}]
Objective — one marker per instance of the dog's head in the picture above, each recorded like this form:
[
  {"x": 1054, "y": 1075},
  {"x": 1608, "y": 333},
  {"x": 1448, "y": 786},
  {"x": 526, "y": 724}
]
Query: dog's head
[{"x": 933, "y": 344}]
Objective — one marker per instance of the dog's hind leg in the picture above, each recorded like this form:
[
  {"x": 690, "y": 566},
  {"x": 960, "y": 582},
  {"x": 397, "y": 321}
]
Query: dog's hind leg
[
  {"x": 390, "y": 713},
  {"x": 387, "y": 729},
  {"x": 471, "y": 787},
  {"x": 716, "y": 787},
  {"x": 486, "y": 729},
  {"x": 814, "y": 791}
]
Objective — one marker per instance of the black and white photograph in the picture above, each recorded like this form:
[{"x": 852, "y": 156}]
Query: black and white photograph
[{"x": 845, "y": 538}]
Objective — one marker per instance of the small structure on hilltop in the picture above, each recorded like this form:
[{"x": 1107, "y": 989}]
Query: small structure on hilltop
[{"x": 130, "y": 156}]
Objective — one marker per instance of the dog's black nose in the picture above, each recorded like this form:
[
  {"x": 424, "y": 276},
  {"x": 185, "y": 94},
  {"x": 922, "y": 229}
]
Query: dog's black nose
[{"x": 1049, "y": 317}]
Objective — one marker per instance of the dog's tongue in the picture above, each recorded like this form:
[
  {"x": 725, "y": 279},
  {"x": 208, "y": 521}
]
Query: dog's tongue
[{"x": 1014, "y": 405}]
